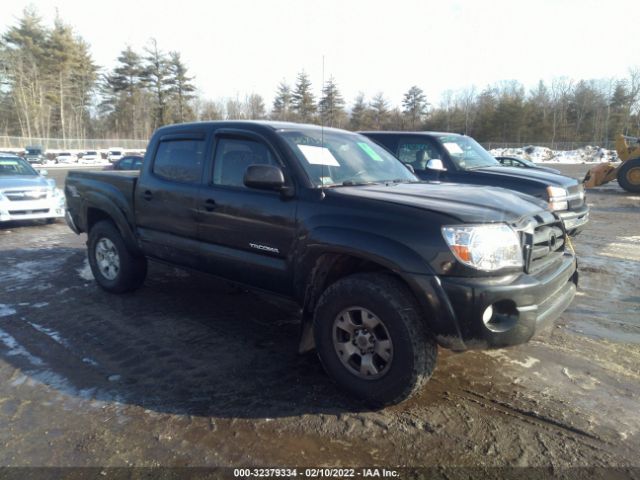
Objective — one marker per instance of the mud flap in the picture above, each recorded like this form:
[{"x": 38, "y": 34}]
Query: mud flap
[{"x": 307, "y": 342}]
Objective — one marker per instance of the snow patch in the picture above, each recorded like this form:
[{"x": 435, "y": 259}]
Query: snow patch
[
  {"x": 539, "y": 154},
  {"x": 55, "y": 336},
  {"x": 526, "y": 363},
  {"x": 90, "y": 361},
  {"x": 6, "y": 310},
  {"x": 85, "y": 272},
  {"x": 15, "y": 349},
  {"x": 29, "y": 274}
]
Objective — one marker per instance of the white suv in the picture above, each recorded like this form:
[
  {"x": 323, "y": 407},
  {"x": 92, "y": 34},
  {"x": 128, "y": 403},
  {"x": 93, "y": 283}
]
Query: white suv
[{"x": 115, "y": 154}]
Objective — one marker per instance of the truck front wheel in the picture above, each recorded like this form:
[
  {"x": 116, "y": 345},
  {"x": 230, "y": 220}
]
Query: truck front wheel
[
  {"x": 629, "y": 175},
  {"x": 371, "y": 339},
  {"x": 113, "y": 266}
]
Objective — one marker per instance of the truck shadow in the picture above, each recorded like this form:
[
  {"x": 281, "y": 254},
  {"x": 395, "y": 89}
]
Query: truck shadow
[{"x": 185, "y": 343}]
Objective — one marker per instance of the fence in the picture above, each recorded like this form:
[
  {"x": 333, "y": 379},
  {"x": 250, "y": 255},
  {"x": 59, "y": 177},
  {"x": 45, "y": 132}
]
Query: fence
[
  {"x": 608, "y": 144},
  {"x": 18, "y": 143}
]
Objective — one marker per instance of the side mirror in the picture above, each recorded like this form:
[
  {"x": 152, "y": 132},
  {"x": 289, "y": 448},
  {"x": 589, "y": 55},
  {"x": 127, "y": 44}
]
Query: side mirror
[
  {"x": 44, "y": 173},
  {"x": 436, "y": 164},
  {"x": 264, "y": 177},
  {"x": 410, "y": 167}
]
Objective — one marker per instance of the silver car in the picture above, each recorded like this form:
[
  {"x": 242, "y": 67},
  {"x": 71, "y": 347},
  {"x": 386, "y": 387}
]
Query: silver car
[{"x": 25, "y": 194}]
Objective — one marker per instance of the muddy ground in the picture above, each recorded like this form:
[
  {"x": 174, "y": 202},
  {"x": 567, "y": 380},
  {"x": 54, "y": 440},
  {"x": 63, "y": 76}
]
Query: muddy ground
[{"x": 188, "y": 371}]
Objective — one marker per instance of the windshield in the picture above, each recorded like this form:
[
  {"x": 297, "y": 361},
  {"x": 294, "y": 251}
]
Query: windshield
[
  {"x": 90, "y": 152},
  {"x": 466, "y": 153},
  {"x": 34, "y": 151},
  {"x": 15, "y": 166},
  {"x": 65, "y": 154},
  {"x": 344, "y": 159}
]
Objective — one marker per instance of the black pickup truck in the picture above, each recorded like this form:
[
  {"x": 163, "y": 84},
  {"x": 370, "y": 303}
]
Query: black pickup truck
[
  {"x": 384, "y": 267},
  {"x": 458, "y": 158}
]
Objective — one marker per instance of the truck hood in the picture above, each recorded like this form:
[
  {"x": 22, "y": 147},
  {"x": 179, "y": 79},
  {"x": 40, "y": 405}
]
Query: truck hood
[
  {"x": 536, "y": 175},
  {"x": 466, "y": 203},
  {"x": 25, "y": 181}
]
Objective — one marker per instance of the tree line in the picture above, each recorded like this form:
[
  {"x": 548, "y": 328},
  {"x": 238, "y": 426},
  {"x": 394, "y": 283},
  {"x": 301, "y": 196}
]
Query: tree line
[{"x": 50, "y": 87}]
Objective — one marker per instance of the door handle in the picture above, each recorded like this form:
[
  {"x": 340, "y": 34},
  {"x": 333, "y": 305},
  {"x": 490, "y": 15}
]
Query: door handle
[
  {"x": 210, "y": 205},
  {"x": 147, "y": 195}
]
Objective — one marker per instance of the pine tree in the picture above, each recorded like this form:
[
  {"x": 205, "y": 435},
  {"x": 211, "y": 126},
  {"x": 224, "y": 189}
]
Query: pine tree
[
  {"x": 282, "y": 103},
  {"x": 331, "y": 105},
  {"x": 157, "y": 77},
  {"x": 359, "y": 113},
  {"x": 123, "y": 91},
  {"x": 379, "y": 111},
  {"x": 180, "y": 87},
  {"x": 302, "y": 99},
  {"x": 415, "y": 106}
]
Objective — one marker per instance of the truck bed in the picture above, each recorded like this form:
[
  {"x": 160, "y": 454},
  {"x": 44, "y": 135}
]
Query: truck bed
[{"x": 81, "y": 186}]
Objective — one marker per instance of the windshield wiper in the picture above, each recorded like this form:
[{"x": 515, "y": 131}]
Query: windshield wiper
[
  {"x": 401, "y": 180},
  {"x": 351, "y": 183},
  {"x": 483, "y": 166}
]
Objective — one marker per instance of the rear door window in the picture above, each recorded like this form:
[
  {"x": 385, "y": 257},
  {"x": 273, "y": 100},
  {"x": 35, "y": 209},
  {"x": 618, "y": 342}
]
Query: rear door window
[{"x": 180, "y": 160}]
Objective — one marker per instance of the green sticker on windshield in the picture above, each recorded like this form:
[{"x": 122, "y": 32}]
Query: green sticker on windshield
[{"x": 370, "y": 151}]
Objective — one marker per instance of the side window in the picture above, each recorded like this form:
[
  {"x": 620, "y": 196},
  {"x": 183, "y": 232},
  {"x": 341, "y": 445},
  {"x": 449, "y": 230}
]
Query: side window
[
  {"x": 125, "y": 164},
  {"x": 179, "y": 160},
  {"x": 417, "y": 153},
  {"x": 233, "y": 157},
  {"x": 137, "y": 164}
]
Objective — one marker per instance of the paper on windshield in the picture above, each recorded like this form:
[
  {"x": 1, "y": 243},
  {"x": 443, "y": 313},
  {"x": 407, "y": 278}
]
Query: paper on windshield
[
  {"x": 370, "y": 151},
  {"x": 318, "y": 155},
  {"x": 453, "y": 147}
]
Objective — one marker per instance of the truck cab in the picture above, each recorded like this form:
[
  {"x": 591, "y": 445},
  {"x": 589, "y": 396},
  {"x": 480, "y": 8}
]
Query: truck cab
[{"x": 450, "y": 157}]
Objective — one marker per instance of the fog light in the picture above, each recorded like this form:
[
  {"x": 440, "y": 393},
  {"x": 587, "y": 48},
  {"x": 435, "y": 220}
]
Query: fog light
[{"x": 488, "y": 314}]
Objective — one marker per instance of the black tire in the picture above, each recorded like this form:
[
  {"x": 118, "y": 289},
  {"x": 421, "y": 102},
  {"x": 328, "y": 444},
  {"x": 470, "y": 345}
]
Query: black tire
[
  {"x": 132, "y": 268},
  {"x": 414, "y": 348},
  {"x": 629, "y": 175}
]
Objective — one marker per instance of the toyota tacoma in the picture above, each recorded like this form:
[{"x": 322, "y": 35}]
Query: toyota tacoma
[{"x": 385, "y": 267}]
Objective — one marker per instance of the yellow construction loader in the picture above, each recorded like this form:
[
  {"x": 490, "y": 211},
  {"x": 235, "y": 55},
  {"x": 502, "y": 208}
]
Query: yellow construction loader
[{"x": 627, "y": 172}]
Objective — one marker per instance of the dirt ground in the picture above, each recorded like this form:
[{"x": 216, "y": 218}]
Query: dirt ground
[{"x": 188, "y": 371}]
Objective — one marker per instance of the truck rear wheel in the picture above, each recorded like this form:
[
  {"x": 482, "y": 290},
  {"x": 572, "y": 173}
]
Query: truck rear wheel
[
  {"x": 629, "y": 175},
  {"x": 371, "y": 340},
  {"x": 113, "y": 266}
]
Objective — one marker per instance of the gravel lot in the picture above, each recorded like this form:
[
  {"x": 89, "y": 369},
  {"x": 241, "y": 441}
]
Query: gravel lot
[{"x": 190, "y": 371}]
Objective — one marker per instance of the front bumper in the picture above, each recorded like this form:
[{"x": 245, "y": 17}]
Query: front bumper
[
  {"x": 522, "y": 304},
  {"x": 575, "y": 220},
  {"x": 32, "y": 209}
]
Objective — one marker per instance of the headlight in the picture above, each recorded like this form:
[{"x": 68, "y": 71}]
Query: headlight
[
  {"x": 484, "y": 247},
  {"x": 557, "y": 198}
]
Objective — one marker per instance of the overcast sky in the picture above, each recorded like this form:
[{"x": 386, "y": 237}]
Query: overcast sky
[{"x": 242, "y": 46}]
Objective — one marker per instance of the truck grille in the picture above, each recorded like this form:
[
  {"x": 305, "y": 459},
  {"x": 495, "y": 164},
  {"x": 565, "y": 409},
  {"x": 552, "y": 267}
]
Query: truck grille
[
  {"x": 545, "y": 245},
  {"x": 28, "y": 212},
  {"x": 23, "y": 195}
]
